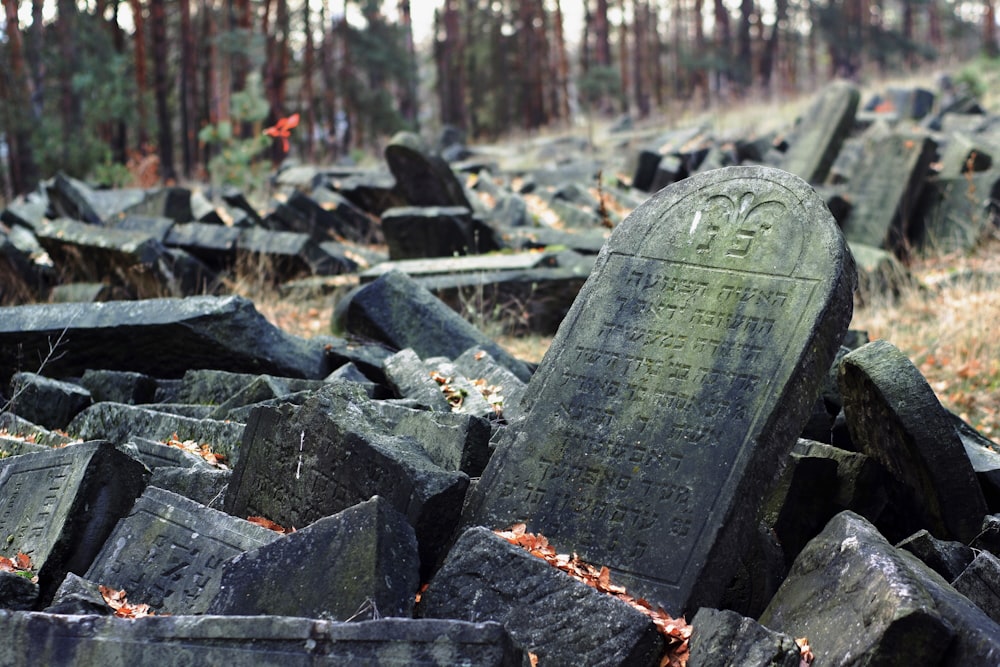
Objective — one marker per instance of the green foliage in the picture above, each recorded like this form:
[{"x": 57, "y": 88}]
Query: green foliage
[
  {"x": 236, "y": 161},
  {"x": 599, "y": 84},
  {"x": 970, "y": 78},
  {"x": 110, "y": 174}
]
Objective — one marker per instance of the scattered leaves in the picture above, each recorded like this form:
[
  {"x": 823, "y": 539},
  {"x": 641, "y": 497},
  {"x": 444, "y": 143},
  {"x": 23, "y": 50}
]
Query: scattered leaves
[
  {"x": 491, "y": 392},
  {"x": 264, "y": 522},
  {"x": 19, "y": 564},
  {"x": 806, "y": 652},
  {"x": 118, "y": 601},
  {"x": 454, "y": 395},
  {"x": 676, "y": 631},
  {"x": 203, "y": 450}
]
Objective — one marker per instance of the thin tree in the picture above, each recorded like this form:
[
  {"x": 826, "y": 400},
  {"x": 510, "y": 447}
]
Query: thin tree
[
  {"x": 187, "y": 91},
  {"x": 141, "y": 83},
  {"x": 161, "y": 83},
  {"x": 16, "y": 102}
]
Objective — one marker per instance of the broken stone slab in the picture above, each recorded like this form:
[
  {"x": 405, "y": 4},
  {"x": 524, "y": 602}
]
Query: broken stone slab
[
  {"x": 118, "y": 386},
  {"x": 947, "y": 558},
  {"x": 980, "y": 582},
  {"x": 985, "y": 460},
  {"x": 154, "y": 454},
  {"x": 46, "y": 402},
  {"x": 32, "y": 638},
  {"x": 299, "y": 464},
  {"x": 17, "y": 592},
  {"x": 72, "y": 198},
  {"x": 358, "y": 564},
  {"x": 12, "y": 426},
  {"x": 862, "y": 486},
  {"x": 368, "y": 355},
  {"x": 419, "y": 268},
  {"x": 422, "y": 178},
  {"x": 158, "y": 337},
  {"x": 860, "y": 601},
  {"x": 964, "y": 153},
  {"x": 463, "y": 396},
  {"x": 958, "y": 213},
  {"x": 894, "y": 416},
  {"x": 584, "y": 241},
  {"x": 168, "y": 552},
  {"x": 216, "y": 388},
  {"x": 561, "y": 620},
  {"x": 121, "y": 423},
  {"x": 285, "y": 255},
  {"x": 213, "y": 244},
  {"x": 722, "y": 638},
  {"x": 709, "y": 323},
  {"x": 395, "y": 310},
  {"x": 156, "y": 227},
  {"x": 409, "y": 378},
  {"x": 59, "y": 506},
  {"x": 886, "y": 187},
  {"x": 351, "y": 373},
  {"x": 76, "y": 595},
  {"x": 349, "y": 221},
  {"x": 203, "y": 484},
  {"x": 418, "y": 232},
  {"x": 880, "y": 274},
  {"x": 372, "y": 191},
  {"x": 505, "y": 388}
]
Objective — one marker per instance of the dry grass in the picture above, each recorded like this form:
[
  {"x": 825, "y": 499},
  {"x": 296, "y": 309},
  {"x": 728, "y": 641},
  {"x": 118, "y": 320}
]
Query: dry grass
[{"x": 947, "y": 325}]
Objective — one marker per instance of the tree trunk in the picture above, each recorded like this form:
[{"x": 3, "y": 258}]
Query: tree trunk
[
  {"x": 408, "y": 98},
  {"x": 602, "y": 35},
  {"x": 623, "y": 59},
  {"x": 16, "y": 102},
  {"x": 187, "y": 91},
  {"x": 990, "y": 30},
  {"x": 641, "y": 58},
  {"x": 158, "y": 33},
  {"x": 308, "y": 96},
  {"x": 744, "y": 65},
  {"x": 141, "y": 83}
]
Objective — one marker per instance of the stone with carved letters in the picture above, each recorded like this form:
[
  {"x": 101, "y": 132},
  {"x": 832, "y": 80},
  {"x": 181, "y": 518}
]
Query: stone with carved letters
[{"x": 678, "y": 383}]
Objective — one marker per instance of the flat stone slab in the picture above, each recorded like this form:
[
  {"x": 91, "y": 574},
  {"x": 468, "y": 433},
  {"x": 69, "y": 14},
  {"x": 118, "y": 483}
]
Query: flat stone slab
[
  {"x": 895, "y": 418},
  {"x": 159, "y": 337},
  {"x": 168, "y": 552},
  {"x": 357, "y": 564},
  {"x": 822, "y": 132},
  {"x": 686, "y": 368},
  {"x": 561, "y": 620},
  {"x": 720, "y": 638},
  {"x": 33, "y": 638},
  {"x": 59, "y": 506}
]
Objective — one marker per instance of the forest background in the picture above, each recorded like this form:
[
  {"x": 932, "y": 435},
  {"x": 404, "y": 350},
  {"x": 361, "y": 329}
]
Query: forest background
[{"x": 166, "y": 90}]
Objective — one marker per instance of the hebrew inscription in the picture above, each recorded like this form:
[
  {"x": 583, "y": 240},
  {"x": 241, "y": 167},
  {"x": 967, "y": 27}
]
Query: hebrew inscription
[{"x": 665, "y": 398}]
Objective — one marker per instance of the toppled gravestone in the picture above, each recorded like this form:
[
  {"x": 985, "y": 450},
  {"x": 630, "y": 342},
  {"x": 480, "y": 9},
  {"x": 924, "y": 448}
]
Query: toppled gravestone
[
  {"x": 559, "y": 619},
  {"x": 822, "y": 132},
  {"x": 169, "y": 551},
  {"x": 47, "y": 402},
  {"x": 159, "y": 337},
  {"x": 684, "y": 371},
  {"x": 363, "y": 559},
  {"x": 258, "y": 641},
  {"x": 721, "y": 637},
  {"x": 435, "y": 231},
  {"x": 895, "y": 418},
  {"x": 860, "y": 601},
  {"x": 299, "y": 464},
  {"x": 422, "y": 178},
  {"x": 397, "y": 311},
  {"x": 59, "y": 506}
]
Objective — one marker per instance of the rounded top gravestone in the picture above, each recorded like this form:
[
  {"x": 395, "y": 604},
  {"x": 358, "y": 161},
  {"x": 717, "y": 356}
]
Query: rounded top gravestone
[{"x": 678, "y": 383}]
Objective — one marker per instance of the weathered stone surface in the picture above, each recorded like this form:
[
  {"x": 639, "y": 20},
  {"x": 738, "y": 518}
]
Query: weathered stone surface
[
  {"x": 802, "y": 501},
  {"x": 154, "y": 454},
  {"x": 358, "y": 564},
  {"x": 561, "y": 620},
  {"x": 985, "y": 460},
  {"x": 409, "y": 378},
  {"x": 76, "y": 595},
  {"x": 822, "y": 131},
  {"x": 47, "y": 402},
  {"x": 59, "y": 506},
  {"x": 980, "y": 582},
  {"x": 885, "y": 189},
  {"x": 893, "y": 414},
  {"x": 398, "y": 312},
  {"x": 119, "y": 386},
  {"x": 299, "y": 464},
  {"x": 863, "y": 485},
  {"x": 947, "y": 558},
  {"x": 860, "y": 601},
  {"x": 168, "y": 552},
  {"x": 17, "y": 593},
  {"x": 686, "y": 368},
  {"x": 12, "y": 426},
  {"x": 284, "y": 255},
  {"x": 958, "y": 212},
  {"x": 422, "y": 179},
  {"x": 159, "y": 337},
  {"x": 119, "y": 423},
  {"x": 32, "y": 638},
  {"x": 723, "y": 638},
  {"x": 479, "y": 366},
  {"x": 417, "y": 232},
  {"x": 213, "y": 244},
  {"x": 346, "y": 220},
  {"x": 203, "y": 484}
]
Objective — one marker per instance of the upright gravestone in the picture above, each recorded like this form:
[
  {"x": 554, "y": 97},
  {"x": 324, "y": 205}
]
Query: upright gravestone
[
  {"x": 822, "y": 132},
  {"x": 677, "y": 383}
]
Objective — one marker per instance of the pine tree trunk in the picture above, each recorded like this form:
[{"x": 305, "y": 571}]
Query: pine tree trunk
[
  {"x": 561, "y": 89},
  {"x": 16, "y": 103},
  {"x": 187, "y": 91},
  {"x": 408, "y": 98},
  {"x": 623, "y": 59},
  {"x": 158, "y": 33},
  {"x": 141, "y": 83}
]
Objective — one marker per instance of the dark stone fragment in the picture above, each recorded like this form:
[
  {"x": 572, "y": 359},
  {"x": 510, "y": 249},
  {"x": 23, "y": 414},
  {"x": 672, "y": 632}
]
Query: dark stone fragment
[
  {"x": 168, "y": 551},
  {"x": 985, "y": 459},
  {"x": 895, "y": 417},
  {"x": 422, "y": 179},
  {"x": 119, "y": 386},
  {"x": 17, "y": 592},
  {"x": 725, "y": 638},
  {"x": 821, "y": 132},
  {"x": 980, "y": 582},
  {"x": 159, "y": 337},
  {"x": 213, "y": 244},
  {"x": 397, "y": 311},
  {"x": 299, "y": 464},
  {"x": 32, "y": 638},
  {"x": 947, "y": 558},
  {"x": 561, "y": 620},
  {"x": 413, "y": 233},
  {"x": 802, "y": 501},
  {"x": 202, "y": 484},
  {"x": 410, "y": 378},
  {"x": 47, "y": 402},
  {"x": 358, "y": 564},
  {"x": 76, "y": 595},
  {"x": 59, "y": 506}
]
